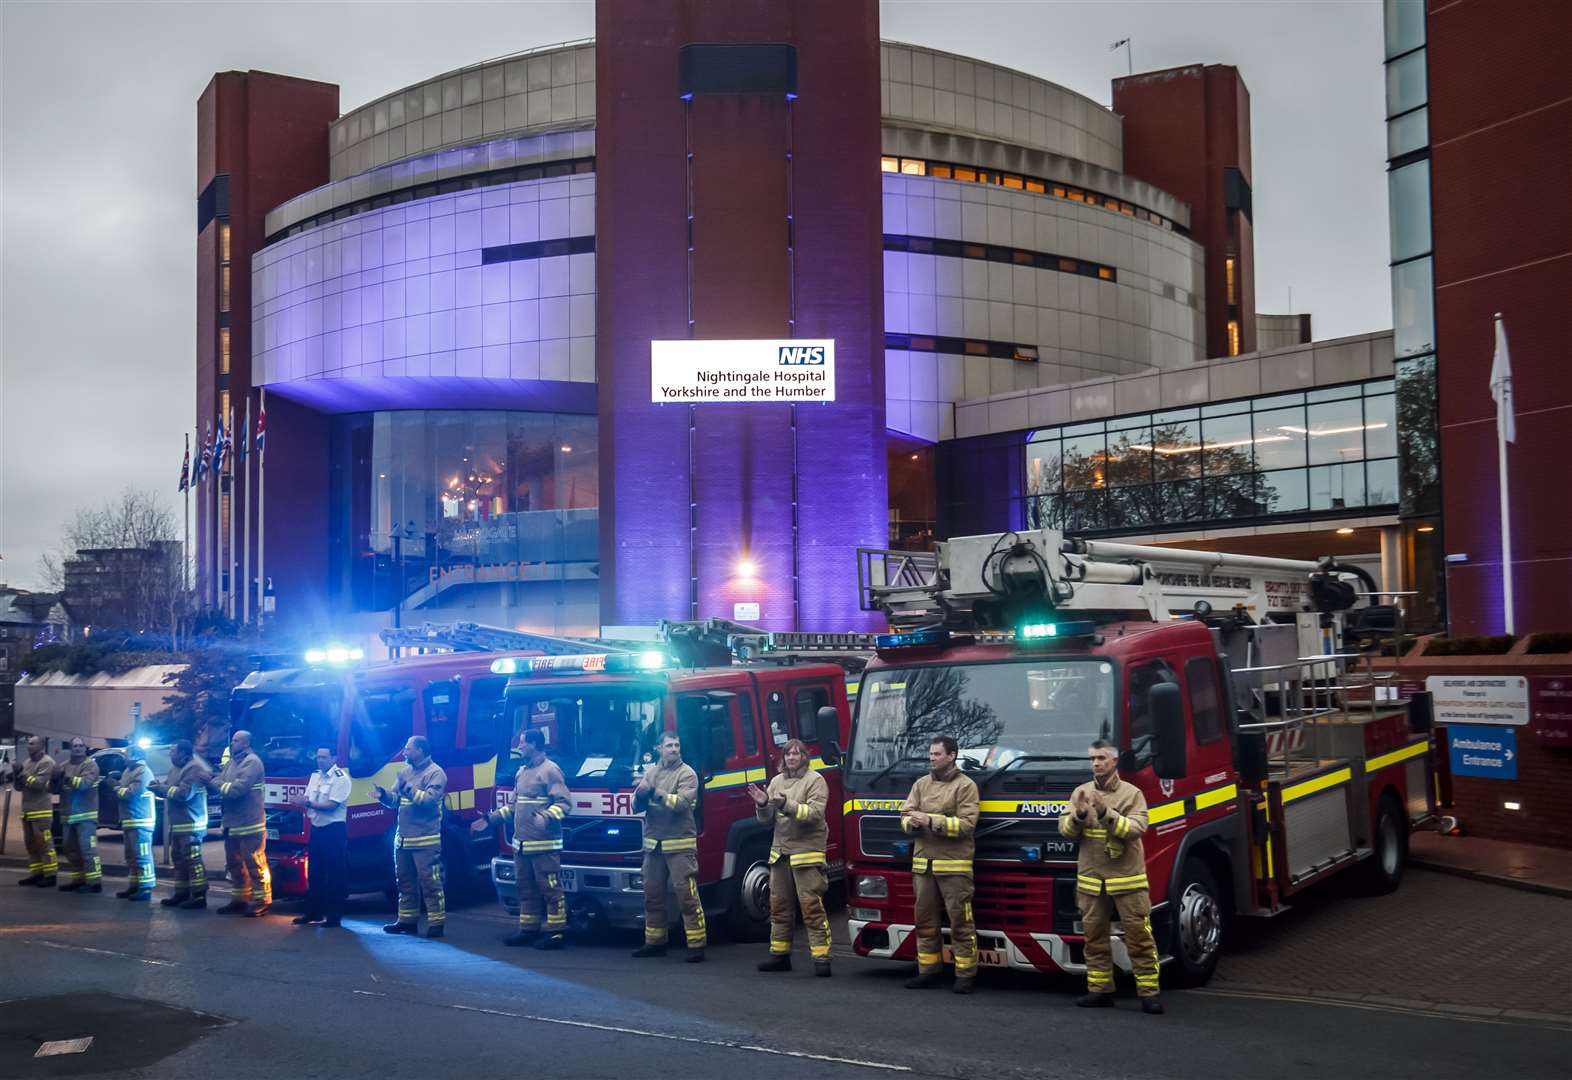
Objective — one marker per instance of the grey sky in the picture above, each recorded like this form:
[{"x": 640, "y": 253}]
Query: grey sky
[{"x": 98, "y": 164}]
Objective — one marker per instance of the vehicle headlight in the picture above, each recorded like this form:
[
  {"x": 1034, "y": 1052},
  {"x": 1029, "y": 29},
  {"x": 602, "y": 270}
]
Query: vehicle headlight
[{"x": 873, "y": 887}]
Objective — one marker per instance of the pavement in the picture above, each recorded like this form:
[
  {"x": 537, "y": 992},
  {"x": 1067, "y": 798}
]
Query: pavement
[
  {"x": 1522, "y": 866},
  {"x": 1400, "y": 985}
]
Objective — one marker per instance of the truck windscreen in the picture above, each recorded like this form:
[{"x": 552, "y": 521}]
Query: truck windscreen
[
  {"x": 1035, "y": 709},
  {"x": 596, "y": 735},
  {"x": 287, "y": 728}
]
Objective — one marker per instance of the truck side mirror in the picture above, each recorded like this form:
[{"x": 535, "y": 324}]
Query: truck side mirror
[
  {"x": 826, "y": 726},
  {"x": 1168, "y": 726}
]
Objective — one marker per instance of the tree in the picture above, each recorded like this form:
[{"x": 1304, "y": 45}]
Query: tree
[
  {"x": 199, "y": 694},
  {"x": 121, "y": 565}
]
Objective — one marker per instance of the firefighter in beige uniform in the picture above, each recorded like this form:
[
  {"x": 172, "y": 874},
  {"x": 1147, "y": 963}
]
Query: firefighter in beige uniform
[
  {"x": 77, "y": 780},
  {"x": 418, "y": 794},
  {"x": 666, "y": 796},
  {"x": 1108, "y": 817},
  {"x": 795, "y": 802},
  {"x": 539, "y": 802},
  {"x": 184, "y": 792},
  {"x": 241, "y": 787},
  {"x": 942, "y": 811},
  {"x": 33, "y": 779}
]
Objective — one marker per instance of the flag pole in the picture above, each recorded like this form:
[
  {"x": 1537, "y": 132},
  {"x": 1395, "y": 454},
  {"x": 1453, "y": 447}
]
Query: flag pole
[
  {"x": 261, "y": 513},
  {"x": 1503, "y": 420},
  {"x": 185, "y": 552},
  {"x": 245, "y": 531},
  {"x": 234, "y": 476}
]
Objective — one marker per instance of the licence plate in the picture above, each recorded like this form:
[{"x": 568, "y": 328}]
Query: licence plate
[
  {"x": 985, "y": 957},
  {"x": 272, "y": 834},
  {"x": 569, "y": 879}
]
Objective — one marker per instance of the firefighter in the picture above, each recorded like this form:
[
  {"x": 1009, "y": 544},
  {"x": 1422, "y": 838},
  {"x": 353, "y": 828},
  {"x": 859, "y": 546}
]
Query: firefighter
[
  {"x": 942, "y": 812},
  {"x": 1108, "y": 816},
  {"x": 666, "y": 796},
  {"x": 33, "y": 778},
  {"x": 77, "y": 782},
  {"x": 795, "y": 802},
  {"x": 138, "y": 818},
  {"x": 540, "y": 803},
  {"x": 184, "y": 792},
  {"x": 240, "y": 785},
  {"x": 417, "y": 794}
]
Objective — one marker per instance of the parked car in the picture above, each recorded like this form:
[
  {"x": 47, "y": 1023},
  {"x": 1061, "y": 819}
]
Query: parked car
[{"x": 113, "y": 760}]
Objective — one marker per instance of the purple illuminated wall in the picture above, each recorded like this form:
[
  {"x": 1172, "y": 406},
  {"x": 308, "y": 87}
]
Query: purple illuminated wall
[{"x": 756, "y": 159}]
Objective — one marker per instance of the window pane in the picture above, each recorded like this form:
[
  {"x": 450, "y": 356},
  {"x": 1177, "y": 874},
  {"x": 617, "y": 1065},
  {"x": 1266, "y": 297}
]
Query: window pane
[
  {"x": 1405, "y": 83},
  {"x": 1280, "y": 438},
  {"x": 1227, "y": 446},
  {"x": 1179, "y": 500},
  {"x": 1043, "y": 467},
  {"x": 1413, "y": 311},
  {"x": 1409, "y": 188},
  {"x": 1230, "y": 497},
  {"x": 1408, "y": 133},
  {"x": 1336, "y": 431},
  {"x": 1405, "y": 25},
  {"x": 1178, "y": 448},
  {"x": 1419, "y": 452},
  {"x": 1085, "y": 462},
  {"x": 1381, "y": 482},
  {"x": 1206, "y": 705},
  {"x": 1130, "y": 457},
  {"x": 1283, "y": 492},
  {"x": 1334, "y": 487},
  {"x": 1380, "y": 427}
]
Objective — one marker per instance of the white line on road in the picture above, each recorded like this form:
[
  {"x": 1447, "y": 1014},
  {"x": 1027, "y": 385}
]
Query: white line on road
[
  {"x": 106, "y": 952},
  {"x": 726, "y": 1044}
]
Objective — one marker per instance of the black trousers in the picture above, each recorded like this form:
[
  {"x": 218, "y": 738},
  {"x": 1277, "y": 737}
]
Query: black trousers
[{"x": 327, "y": 874}]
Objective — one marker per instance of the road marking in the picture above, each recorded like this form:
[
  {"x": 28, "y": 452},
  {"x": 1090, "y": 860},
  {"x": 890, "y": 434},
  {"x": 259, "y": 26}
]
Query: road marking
[
  {"x": 694, "y": 1040},
  {"x": 1377, "y": 1006},
  {"x": 106, "y": 952}
]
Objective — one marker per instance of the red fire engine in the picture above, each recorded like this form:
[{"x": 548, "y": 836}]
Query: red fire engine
[
  {"x": 366, "y": 713},
  {"x": 1267, "y": 763}
]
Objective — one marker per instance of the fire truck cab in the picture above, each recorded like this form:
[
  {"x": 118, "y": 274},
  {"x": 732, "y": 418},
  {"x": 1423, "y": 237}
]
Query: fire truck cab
[
  {"x": 366, "y": 713},
  {"x": 1267, "y": 764},
  {"x": 604, "y": 715}
]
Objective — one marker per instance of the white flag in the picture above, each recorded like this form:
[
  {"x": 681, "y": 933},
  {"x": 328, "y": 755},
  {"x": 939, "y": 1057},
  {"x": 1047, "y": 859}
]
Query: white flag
[{"x": 1501, "y": 385}]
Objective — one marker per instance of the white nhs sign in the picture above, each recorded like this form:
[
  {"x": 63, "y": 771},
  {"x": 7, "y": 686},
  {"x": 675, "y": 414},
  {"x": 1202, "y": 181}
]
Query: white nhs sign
[{"x": 801, "y": 354}]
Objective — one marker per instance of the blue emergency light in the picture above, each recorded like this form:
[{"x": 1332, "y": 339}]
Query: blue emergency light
[
  {"x": 581, "y": 663},
  {"x": 911, "y": 639},
  {"x": 334, "y": 654}
]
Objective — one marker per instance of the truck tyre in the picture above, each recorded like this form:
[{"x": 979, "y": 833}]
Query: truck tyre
[
  {"x": 1200, "y": 920},
  {"x": 748, "y": 910},
  {"x": 1382, "y": 872}
]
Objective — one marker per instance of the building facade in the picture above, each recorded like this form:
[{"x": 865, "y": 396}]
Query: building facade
[{"x": 452, "y": 292}]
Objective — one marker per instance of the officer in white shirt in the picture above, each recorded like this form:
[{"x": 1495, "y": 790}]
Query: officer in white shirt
[{"x": 327, "y": 880}]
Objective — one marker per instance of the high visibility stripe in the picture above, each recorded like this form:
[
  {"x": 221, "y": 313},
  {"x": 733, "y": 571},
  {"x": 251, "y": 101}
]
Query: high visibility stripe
[
  {"x": 1095, "y": 834},
  {"x": 37, "y": 815},
  {"x": 808, "y": 858},
  {"x": 537, "y": 845},
  {"x": 804, "y": 811},
  {"x": 654, "y": 936},
  {"x": 144, "y": 823},
  {"x": 819, "y": 952},
  {"x": 1320, "y": 783},
  {"x": 419, "y": 841},
  {"x": 86, "y": 815},
  {"x": 557, "y": 811},
  {"x": 243, "y": 830},
  {"x": 191, "y": 828},
  {"x": 1165, "y": 812},
  {"x": 1216, "y": 795},
  {"x": 780, "y": 948},
  {"x": 1409, "y": 751},
  {"x": 688, "y": 843},
  {"x": 951, "y": 866}
]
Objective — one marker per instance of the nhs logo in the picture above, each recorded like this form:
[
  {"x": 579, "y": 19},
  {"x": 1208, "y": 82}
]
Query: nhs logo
[{"x": 800, "y": 354}]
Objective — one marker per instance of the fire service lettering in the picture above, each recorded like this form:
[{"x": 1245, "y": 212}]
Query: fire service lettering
[{"x": 1203, "y": 581}]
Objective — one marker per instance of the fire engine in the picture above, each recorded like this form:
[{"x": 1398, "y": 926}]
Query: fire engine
[
  {"x": 1268, "y": 760},
  {"x": 604, "y": 705},
  {"x": 366, "y": 712}
]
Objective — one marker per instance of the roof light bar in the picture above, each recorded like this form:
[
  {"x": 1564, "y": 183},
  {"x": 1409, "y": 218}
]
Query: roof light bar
[
  {"x": 334, "y": 654},
  {"x": 1046, "y": 631},
  {"x": 912, "y": 639},
  {"x": 582, "y": 663}
]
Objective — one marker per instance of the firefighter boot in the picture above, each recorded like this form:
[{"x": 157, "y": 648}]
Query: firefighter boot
[
  {"x": 127, "y": 893},
  {"x": 821, "y": 969},
  {"x": 931, "y": 981},
  {"x": 695, "y": 956},
  {"x": 1095, "y": 1001},
  {"x": 776, "y": 962},
  {"x": 31, "y": 879},
  {"x": 196, "y": 902},
  {"x": 1151, "y": 1006},
  {"x": 234, "y": 907},
  {"x": 549, "y": 942},
  {"x": 72, "y": 886},
  {"x": 647, "y": 951},
  {"x": 258, "y": 911},
  {"x": 965, "y": 985},
  {"x": 47, "y": 882},
  {"x": 401, "y": 928},
  {"x": 520, "y": 939},
  {"x": 176, "y": 900},
  {"x": 433, "y": 932}
]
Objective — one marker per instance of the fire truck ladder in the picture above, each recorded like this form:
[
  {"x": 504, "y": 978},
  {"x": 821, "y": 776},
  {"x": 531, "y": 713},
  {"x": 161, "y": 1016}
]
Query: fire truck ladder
[{"x": 475, "y": 637}]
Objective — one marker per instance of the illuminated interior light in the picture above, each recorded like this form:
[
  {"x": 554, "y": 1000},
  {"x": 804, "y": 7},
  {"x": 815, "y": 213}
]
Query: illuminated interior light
[
  {"x": 1170, "y": 450},
  {"x": 747, "y": 568},
  {"x": 1426, "y": 528},
  {"x": 1345, "y": 531},
  {"x": 1314, "y": 432},
  {"x": 1512, "y": 805}
]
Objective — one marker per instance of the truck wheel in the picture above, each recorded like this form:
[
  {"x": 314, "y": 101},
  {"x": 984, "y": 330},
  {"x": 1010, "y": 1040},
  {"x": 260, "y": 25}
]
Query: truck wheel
[
  {"x": 1200, "y": 919},
  {"x": 748, "y": 914},
  {"x": 1382, "y": 872}
]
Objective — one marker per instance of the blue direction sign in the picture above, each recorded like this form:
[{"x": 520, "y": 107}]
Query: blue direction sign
[{"x": 1483, "y": 750}]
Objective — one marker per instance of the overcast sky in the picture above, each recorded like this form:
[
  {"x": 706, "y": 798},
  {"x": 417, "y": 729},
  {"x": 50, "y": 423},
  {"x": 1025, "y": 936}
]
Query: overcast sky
[{"x": 97, "y": 179}]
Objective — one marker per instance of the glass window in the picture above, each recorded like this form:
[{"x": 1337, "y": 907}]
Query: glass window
[
  {"x": 1419, "y": 452},
  {"x": 1283, "y": 492},
  {"x": 1044, "y": 467},
  {"x": 1405, "y": 25},
  {"x": 889, "y": 164},
  {"x": 223, "y": 287},
  {"x": 486, "y": 721},
  {"x": 287, "y": 728},
  {"x": 1227, "y": 446},
  {"x": 1381, "y": 482},
  {"x": 1230, "y": 268},
  {"x": 1408, "y": 133},
  {"x": 1085, "y": 461},
  {"x": 1233, "y": 337},
  {"x": 1380, "y": 426},
  {"x": 1130, "y": 457},
  {"x": 223, "y": 350},
  {"x": 1409, "y": 188},
  {"x": 1176, "y": 445},
  {"x": 1335, "y": 487},
  {"x": 1405, "y": 83},
  {"x": 941, "y": 171},
  {"x": 914, "y": 167},
  {"x": 1142, "y": 733},
  {"x": 1280, "y": 438},
  {"x": 1413, "y": 308},
  {"x": 1336, "y": 431},
  {"x": 1206, "y": 703},
  {"x": 442, "y": 711},
  {"x": 775, "y": 712},
  {"x": 223, "y": 241},
  {"x": 809, "y": 700},
  {"x": 750, "y": 732},
  {"x": 380, "y": 726}
]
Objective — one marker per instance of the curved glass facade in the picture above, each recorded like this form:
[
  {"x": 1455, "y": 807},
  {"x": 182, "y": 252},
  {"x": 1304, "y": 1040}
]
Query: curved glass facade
[
  {"x": 424, "y": 501},
  {"x": 1324, "y": 451}
]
